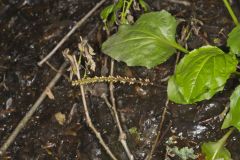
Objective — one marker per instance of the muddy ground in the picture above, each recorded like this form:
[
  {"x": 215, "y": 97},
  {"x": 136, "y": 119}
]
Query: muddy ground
[{"x": 30, "y": 29}]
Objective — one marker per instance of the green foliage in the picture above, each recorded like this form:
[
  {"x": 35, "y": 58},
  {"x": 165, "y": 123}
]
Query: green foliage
[
  {"x": 200, "y": 74},
  {"x": 109, "y": 13},
  {"x": 149, "y": 42},
  {"x": 106, "y": 12},
  {"x": 233, "y": 118},
  {"x": 216, "y": 150},
  {"x": 117, "y": 12},
  {"x": 234, "y": 40}
]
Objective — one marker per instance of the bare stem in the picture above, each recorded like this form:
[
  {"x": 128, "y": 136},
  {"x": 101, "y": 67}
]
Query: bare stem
[
  {"x": 149, "y": 157},
  {"x": 90, "y": 124},
  {"x": 122, "y": 134},
  {"x": 92, "y": 127}
]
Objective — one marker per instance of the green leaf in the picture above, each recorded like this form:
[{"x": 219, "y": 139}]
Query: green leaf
[
  {"x": 118, "y": 5},
  {"x": 200, "y": 74},
  {"x": 234, "y": 40},
  {"x": 106, "y": 12},
  {"x": 233, "y": 118},
  {"x": 209, "y": 149},
  {"x": 149, "y": 42},
  {"x": 216, "y": 150},
  {"x": 173, "y": 91}
]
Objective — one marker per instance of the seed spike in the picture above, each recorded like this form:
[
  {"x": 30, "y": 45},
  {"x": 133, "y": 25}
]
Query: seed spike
[{"x": 113, "y": 79}]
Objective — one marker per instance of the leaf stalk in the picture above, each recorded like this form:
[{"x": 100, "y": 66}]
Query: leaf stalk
[
  {"x": 229, "y": 8},
  {"x": 179, "y": 47}
]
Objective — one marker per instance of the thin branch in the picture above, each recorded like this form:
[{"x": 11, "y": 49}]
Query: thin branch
[
  {"x": 30, "y": 113},
  {"x": 55, "y": 70},
  {"x": 104, "y": 97},
  {"x": 122, "y": 134},
  {"x": 90, "y": 124},
  {"x": 149, "y": 157},
  {"x": 75, "y": 69},
  {"x": 75, "y": 27}
]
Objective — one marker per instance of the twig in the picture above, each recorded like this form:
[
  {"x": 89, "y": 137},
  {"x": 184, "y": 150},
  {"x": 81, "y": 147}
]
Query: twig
[
  {"x": 30, "y": 113},
  {"x": 90, "y": 124},
  {"x": 149, "y": 157},
  {"x": 122, "y": 134},
  {"x": 55, "y": 70},
  {"x": 164, "y": 133},
  {"x": 156, "y": 142},
  {"x": 75, "y": 67},
  {"x": 75, "y": 27},
  {"x": 104, "y": 97}
]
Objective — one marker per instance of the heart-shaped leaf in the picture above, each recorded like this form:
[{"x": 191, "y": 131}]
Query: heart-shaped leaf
[
  {"x": 149, "y": 42},
  {"x": 216, "y": 150},
  {"x": 233, "y": 118},
  {"x": 234, "y": 40},
  {"x": 200, "y": 74}
]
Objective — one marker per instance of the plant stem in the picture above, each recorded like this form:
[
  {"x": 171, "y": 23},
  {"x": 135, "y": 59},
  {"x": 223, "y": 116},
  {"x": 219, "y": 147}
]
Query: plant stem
[
  {"x": 235, "y": 20},
  {"x": 179, "y": 47},
  {"x": 126, "y": 6}
]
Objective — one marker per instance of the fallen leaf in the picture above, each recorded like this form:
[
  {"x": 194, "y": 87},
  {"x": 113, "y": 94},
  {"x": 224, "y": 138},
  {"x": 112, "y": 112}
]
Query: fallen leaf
[{"x": 61, "y": 118}]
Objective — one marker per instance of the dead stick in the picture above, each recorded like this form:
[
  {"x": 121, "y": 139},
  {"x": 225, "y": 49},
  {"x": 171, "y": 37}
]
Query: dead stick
[
  {"x": 88, "y": 118},
  {"x": 30, "y": 113},
  {"x": 90, "y": 124},
  {"x": 104, "y": 97},
  {"x": 149, "y": 157},
  {"x": 122, "y": 134},
  {"x": 75, "y": 27}
]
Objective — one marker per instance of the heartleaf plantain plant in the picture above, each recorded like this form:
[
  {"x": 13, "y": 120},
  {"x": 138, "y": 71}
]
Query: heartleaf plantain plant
[{"x": 200, "y": 74}]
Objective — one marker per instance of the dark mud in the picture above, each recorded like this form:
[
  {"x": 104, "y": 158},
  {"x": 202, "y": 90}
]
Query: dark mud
[{"x": 30, "y": 29}]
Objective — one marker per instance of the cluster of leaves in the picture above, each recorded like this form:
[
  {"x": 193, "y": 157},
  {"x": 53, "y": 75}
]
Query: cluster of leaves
[
  {"x": 118, "y": 12},
  {"x": 200, "y": 74}
]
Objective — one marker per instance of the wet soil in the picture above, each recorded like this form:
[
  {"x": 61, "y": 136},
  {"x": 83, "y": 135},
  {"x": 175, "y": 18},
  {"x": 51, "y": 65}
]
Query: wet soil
[{"x": 30, "y": 29}]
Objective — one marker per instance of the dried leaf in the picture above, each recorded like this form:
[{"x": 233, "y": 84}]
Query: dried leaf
[
  {"x": 61, "y": 118},
  {"x": 74, "y": 67},
  {"x": 88, "y": 53}
]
